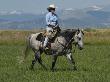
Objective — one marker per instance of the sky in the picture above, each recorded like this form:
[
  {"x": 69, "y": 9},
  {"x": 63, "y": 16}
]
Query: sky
[{"x": 39, "y": 6}]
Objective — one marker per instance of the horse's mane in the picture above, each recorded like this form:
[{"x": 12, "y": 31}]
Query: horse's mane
[{"x": 67, "y": 32}]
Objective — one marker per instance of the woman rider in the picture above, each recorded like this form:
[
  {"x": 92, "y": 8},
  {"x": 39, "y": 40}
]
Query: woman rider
[{"x": 51, "y": 21}]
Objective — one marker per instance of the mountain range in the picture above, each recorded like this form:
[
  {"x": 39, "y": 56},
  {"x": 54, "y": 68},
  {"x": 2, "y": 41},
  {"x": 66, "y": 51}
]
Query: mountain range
[{"x": 90, "y": 17}]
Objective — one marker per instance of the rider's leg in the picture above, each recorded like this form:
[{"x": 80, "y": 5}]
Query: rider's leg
[
  {"x": 48, "y": 33},
  {"x": 45, "y": 41}
]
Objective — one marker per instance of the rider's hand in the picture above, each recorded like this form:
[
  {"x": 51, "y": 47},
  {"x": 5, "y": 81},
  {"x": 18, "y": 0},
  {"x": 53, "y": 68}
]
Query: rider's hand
[{"x": 50, "y": 25}]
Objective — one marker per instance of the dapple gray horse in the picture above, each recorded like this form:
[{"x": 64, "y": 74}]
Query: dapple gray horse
[{"x": 62, "y": 45}]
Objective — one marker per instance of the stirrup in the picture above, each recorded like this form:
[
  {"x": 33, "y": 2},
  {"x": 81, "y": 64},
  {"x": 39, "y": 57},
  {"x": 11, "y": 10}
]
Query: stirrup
[{"x": 46, "y": 48}]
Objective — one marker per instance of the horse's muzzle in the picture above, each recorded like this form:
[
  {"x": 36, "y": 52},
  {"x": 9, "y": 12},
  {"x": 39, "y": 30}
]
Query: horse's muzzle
[{"x": 80, "y": 48}]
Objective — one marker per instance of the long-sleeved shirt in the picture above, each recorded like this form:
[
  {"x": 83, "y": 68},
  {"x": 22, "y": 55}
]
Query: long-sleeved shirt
[{"x": 51, "y": 19}]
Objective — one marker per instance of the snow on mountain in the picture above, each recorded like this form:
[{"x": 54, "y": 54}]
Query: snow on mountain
[
  {"x": 3, "y": 12},
  {"x": 15, "y": 12},
  {"x": 69, "y": 9},
  {"x": 96, "y": 8}
]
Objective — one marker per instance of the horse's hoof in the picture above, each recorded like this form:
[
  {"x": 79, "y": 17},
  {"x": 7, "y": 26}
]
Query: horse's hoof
[
  {"x": 75, "y": 68},
  {"x": 45, "y": 68},
  {"x": 52, "y": 70},
  {"x": 31, "y": 67}
]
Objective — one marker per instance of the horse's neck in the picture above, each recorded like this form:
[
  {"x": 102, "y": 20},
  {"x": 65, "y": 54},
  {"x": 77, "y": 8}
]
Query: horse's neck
[
  {"x": 65, "y": 35},
  {"x": 62, "y": 39},
  {"x": 68, "y": 36}
]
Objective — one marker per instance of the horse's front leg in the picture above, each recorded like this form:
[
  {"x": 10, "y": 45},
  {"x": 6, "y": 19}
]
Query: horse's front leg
[
  {"x": 70, "y": 58},
  {"x": 54, "y": 58}
]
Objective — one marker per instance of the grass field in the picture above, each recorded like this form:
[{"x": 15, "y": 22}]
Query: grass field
[{"x": 93, "y": 63}]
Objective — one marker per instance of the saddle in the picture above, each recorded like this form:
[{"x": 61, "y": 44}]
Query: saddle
[
  {"x": 42, "y": 35},
  {"x": 41, "y": 38}
]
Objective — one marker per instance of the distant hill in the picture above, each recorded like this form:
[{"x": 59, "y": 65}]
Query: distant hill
[
  {"x": 94, "y": 16},
  {"x": 21, "y": 21}
]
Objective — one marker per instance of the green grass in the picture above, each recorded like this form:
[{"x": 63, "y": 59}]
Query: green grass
[{"x": 92, "y": 64}]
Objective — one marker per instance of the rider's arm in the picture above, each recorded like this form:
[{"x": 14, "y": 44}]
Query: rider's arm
[
  {"x": 47, "y": 19},
  {"x": 57, "y": 21}
]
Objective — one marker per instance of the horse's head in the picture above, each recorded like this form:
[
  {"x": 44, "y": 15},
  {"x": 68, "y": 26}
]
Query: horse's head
[{"x": 78, "y": 38}]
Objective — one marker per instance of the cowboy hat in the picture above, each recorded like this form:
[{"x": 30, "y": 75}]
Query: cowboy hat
[{"x": 51, "y": 7}]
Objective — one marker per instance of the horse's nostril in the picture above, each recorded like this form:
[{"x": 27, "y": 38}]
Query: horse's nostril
[
  {"x": 79, "y": 38},
  {"x": 81, "y": 48}
]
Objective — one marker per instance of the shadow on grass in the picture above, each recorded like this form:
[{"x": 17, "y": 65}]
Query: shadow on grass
[{"x": 55, "y": 70}]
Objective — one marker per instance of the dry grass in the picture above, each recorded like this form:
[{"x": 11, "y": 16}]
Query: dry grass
[
  {"x": 14, "y": 36},
  {"x": 95, "y": 36}
]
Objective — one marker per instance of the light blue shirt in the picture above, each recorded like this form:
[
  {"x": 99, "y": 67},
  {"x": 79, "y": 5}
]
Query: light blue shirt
[{"x": 51, "y": 19}]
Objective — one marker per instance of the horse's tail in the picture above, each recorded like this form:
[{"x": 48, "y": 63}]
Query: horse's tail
[{"x": 28, "y": 46}]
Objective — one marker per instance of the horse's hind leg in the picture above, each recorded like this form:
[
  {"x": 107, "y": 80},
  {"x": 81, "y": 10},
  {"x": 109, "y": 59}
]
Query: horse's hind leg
[
  {"x": 35, "y": 58},
  {"x": 38, "y": 58},
  {"x": 33, "y": 62},
  {"x": 71, "y": 60},
  {"x": 54, "y": 58}
]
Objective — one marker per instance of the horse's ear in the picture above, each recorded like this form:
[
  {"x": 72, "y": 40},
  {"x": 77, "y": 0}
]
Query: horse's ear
[
  {"x": 78, "y": 30},
  {"x": 82, "y": 30}
]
